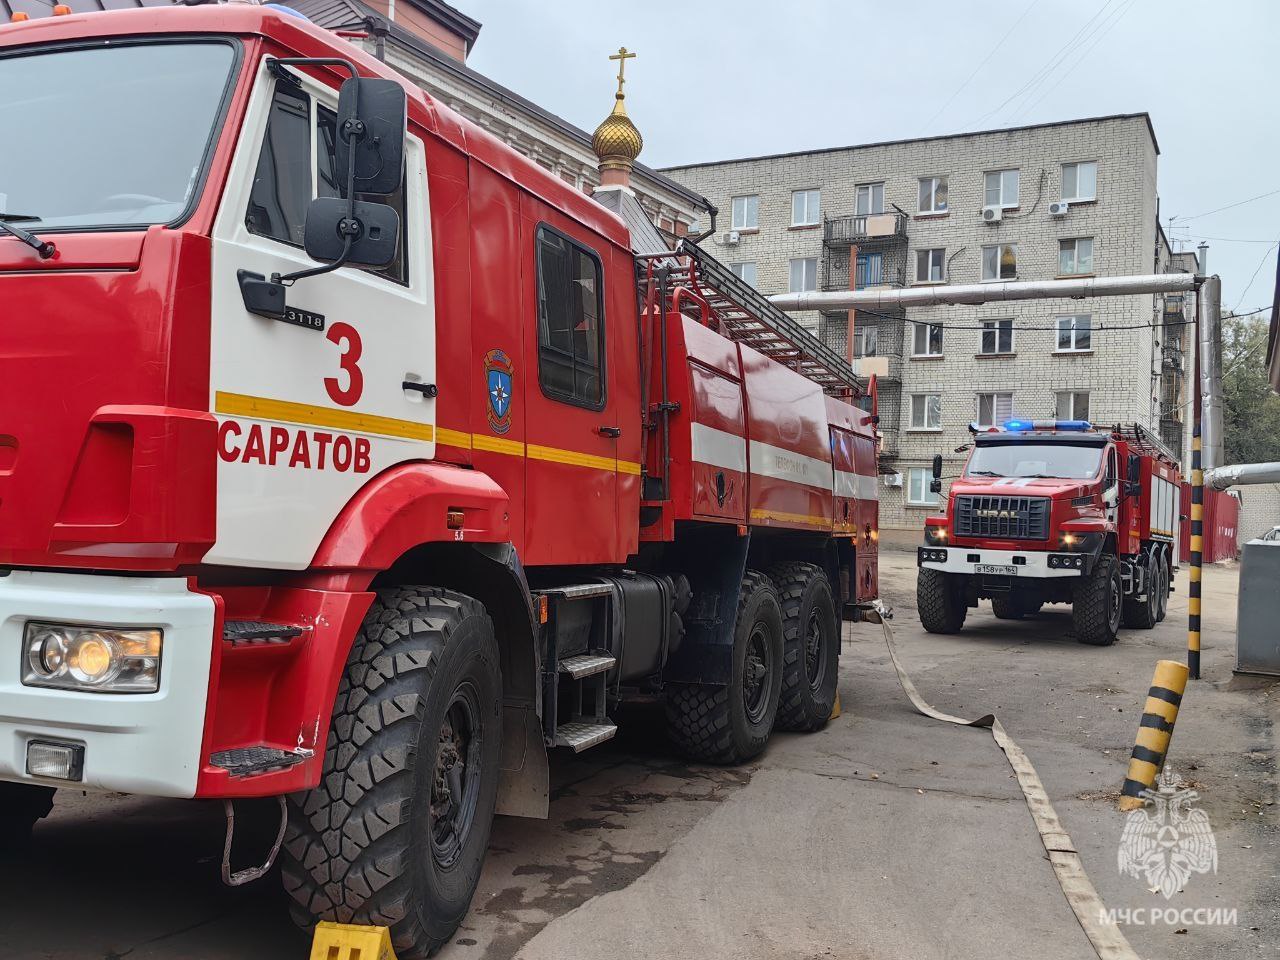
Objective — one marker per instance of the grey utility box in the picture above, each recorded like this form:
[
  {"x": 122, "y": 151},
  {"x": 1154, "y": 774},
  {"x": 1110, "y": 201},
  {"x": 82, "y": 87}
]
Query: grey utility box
[{"x": 1258, "y": 615}]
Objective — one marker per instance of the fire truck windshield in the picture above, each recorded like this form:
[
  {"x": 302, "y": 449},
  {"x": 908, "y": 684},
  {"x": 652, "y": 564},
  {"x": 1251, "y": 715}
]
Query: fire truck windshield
[
  {"x": 113, "y": 136},
  {"x": 1057, "y": 460}
]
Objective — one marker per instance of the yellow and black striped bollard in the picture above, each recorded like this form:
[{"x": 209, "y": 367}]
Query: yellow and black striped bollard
[
  {"x": 1197, "y": 557},
  {"x": 1154, "y": 731}
]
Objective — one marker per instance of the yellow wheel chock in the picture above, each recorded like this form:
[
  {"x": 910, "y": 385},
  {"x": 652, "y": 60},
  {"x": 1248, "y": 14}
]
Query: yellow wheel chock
[{"x": 349, "y": 941}]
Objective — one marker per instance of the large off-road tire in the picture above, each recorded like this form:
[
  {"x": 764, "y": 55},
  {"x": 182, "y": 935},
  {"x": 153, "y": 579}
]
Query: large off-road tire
[
  {"x": 940, "y": 601},
  {"x": 395, "y": 834},
  {"x": 811, "y": 645},
  {"x": 1162, "y": 594},
  {"x": 731, "y": 723},
  {"x": 1007, "y": 608},
  {"x": 22, "y": 805},
  {"x": 1144, "y": 614},
  {"x": 1096, "y": 606}
]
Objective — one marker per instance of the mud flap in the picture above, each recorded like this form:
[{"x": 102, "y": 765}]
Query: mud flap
[{"x": 715, "y": 561}]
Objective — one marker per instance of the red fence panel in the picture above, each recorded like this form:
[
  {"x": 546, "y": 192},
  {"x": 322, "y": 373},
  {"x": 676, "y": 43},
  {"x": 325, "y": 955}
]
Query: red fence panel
[{"x": 1221, "y": 525}]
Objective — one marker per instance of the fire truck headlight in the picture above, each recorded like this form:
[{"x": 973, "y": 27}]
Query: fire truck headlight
[
  {"x": 92, "y": 659},
  {"x": 935, "y": 536}
]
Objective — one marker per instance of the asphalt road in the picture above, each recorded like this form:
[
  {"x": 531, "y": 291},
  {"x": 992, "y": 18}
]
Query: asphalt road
[{"x": 886, "y": 835}]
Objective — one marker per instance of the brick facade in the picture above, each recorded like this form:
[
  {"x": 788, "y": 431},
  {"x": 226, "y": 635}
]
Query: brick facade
[{"x": 1121, "y": 372}]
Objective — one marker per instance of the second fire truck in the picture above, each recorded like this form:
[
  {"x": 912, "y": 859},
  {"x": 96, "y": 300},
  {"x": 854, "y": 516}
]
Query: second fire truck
[{"x": 1049, "y": 511}]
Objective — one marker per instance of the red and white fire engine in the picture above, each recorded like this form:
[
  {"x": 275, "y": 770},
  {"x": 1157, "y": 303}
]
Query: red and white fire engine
[
  {"x": 1055, "y": 511},
  {"x": 347, "y": 455}
]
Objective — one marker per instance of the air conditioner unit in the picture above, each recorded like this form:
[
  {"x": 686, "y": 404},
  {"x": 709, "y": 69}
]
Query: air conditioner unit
[
  {"x": 893, "y": 480},
  {"x": 1059, "y": 209},
  {"x": 732, "y": 238},
  {"x": 992, "y": 214}
]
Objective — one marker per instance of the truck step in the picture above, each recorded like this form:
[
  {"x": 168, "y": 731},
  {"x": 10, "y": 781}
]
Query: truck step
[
  {"x": 583, "y": 734},
  {"x": 587, "y": 664},
  {"x": 250, "y": 761},
  {"x": 259, "y": 631}
]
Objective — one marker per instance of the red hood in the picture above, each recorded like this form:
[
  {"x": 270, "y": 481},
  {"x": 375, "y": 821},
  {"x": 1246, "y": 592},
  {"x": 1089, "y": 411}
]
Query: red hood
[{"x": 106, "y": 442}]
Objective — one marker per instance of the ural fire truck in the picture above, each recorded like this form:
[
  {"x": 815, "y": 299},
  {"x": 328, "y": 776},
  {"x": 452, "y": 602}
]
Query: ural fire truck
[
  {"x": 1055, "y": 512},
  {"x": 350, "y": 457}
]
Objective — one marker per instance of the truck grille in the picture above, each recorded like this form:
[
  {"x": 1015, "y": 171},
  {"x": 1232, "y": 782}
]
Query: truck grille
[{"x": 1010, "y": 518}]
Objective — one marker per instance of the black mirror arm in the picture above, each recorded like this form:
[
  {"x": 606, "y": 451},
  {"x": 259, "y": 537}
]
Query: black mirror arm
[
  {"x": 349, "y": 227},
  {"x": 276, "y": 62}
]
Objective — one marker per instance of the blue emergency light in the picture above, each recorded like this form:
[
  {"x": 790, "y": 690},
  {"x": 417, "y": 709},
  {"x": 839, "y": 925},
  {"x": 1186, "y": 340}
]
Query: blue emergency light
[{"x": 1073, "y": 426}]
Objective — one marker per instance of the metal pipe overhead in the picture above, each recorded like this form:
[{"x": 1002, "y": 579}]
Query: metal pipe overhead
[
  {"x": 992, "y": 291},
  {"x": 1210, "y": 323},
  {"x": 1240, "y": 474}
]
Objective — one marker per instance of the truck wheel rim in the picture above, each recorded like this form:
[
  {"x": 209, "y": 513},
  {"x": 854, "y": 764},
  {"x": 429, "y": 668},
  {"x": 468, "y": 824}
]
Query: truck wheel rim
[
  {"x": 815, "y": 664},
  {"x": 455, "y": 787},
  {"x": 757, "y": 674}
]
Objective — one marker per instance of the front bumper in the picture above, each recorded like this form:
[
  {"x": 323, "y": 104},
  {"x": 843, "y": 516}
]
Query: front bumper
[
  {"x": 1028, "y": 564},
  {"x": 133, "y": 743}
]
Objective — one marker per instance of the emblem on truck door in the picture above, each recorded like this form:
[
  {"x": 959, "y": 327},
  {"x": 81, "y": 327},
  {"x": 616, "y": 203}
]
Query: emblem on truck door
[{"x": 497, "y": 378}]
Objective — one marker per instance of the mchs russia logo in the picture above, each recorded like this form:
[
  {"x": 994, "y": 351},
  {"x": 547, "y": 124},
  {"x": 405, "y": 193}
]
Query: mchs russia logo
[
  {"x": 497, "y": 379},
  {"x": 1168, "y": 840}
]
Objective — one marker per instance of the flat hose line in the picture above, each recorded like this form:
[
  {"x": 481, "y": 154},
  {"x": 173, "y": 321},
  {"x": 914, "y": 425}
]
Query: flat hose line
[{"x": 1105, "y": 936}]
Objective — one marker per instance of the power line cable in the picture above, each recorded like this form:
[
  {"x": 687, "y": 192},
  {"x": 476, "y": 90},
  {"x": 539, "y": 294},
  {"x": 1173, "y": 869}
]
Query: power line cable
[
  {"x": 1265, "y": 255},
  {"x": 999, "y": 43},
  {"x": 1053, "y": 61},
  {"x": 1098, "y": 36},
  {"x": 1230, "y": 206}
]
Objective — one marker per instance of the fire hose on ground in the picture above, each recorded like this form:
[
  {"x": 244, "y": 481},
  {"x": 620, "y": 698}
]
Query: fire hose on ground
[{"x": 1105, "y": 936}]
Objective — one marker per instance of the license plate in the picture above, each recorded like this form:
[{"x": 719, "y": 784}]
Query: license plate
[{"x": 996, "y": 568}]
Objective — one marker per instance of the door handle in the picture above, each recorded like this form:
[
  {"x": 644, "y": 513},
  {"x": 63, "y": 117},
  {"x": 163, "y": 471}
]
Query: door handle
[
  {"x": 426, "y": 389},
  {"x": 614, "y": 432}
]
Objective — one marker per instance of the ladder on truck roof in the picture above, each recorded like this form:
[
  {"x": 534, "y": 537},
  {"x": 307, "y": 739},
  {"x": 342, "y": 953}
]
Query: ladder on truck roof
[
  {"x": 738, "y": 311},
  {"x": 1144, "y": 441}
]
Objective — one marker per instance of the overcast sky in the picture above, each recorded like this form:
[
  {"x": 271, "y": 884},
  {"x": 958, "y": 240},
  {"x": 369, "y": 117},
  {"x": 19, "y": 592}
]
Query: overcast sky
[{"x": 717, "y": 79}]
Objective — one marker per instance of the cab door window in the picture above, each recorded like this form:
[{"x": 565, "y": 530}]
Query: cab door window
[
  {"x": 296, "y": 165},
  {"x": 570, "y": 321}
]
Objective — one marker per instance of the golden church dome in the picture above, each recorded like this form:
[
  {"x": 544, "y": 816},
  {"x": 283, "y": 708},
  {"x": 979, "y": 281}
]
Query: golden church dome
[{"x": 616, "y": 141}]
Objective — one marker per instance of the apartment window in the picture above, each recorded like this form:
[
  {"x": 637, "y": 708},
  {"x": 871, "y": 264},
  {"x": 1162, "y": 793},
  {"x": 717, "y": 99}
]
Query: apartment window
[
  {"x": 805, "y": 206},
  {"x": 997, "y": 336},
  {"x": 744, "y": 271},
  {"x": 1080, "y": 181},
  {"x": 1075, "y": 333},
  {"x": 1075, "y": 256},
  {"x": 929, "y": 265},
  {"x": 869, "y": 269},
  {"x": 994, "y": 408},
  {"x": 804, "y": 275},
  {"x": 926, "y": 411},
  {"x": 869, "y": 199},
  {"x": 866, "y": 341},
  {"x": 1071, "y": 405},
  {"x": 926, "y": 340},
  {"x": 570, "y": 321},
  {"x": 1000, "y": 262},
  {"x": 1000, "y": 188},
  {"x": 918, "y": 492},
  {"x": 746, "y": 213},
  {"x": 933, "y": 195}
]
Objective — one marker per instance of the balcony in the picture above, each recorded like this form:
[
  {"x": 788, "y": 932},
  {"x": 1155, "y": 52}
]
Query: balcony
[
  {"x": 865, "y": 229},
  {"x": 1172, "y": 358}
]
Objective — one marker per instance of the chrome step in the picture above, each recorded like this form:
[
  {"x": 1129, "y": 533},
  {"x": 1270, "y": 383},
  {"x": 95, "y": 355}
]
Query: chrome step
[
  {"x": 259, "y": 631},
  {"x": 578, "y": 735},
  {"x": 251, "y": 761},
  {"x": 586, "y": 664}
]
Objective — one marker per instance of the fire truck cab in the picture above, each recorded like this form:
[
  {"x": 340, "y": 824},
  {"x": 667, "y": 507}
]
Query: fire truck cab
[
  {"x": 1054, "y": 512},
  {"x": 350, "y": 458}
]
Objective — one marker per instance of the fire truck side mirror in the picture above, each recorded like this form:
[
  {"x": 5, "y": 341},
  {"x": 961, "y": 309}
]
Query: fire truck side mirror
[
  {"x": 374, "y": 230},
  {"x": 371, "y": 124},
  {"x": 937, "y": 466},
  {"x": 1133, "y": 485}
]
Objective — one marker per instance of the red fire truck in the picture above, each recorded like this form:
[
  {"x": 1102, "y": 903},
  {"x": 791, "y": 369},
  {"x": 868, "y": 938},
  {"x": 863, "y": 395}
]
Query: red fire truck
[
  {"x": 1042, "y": 513},
  {"x": 350, "y": 457}
]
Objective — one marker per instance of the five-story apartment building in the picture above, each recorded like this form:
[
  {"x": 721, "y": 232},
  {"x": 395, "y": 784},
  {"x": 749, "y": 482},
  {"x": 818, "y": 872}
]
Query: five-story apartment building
[{"x": 1068, "y": 199}]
